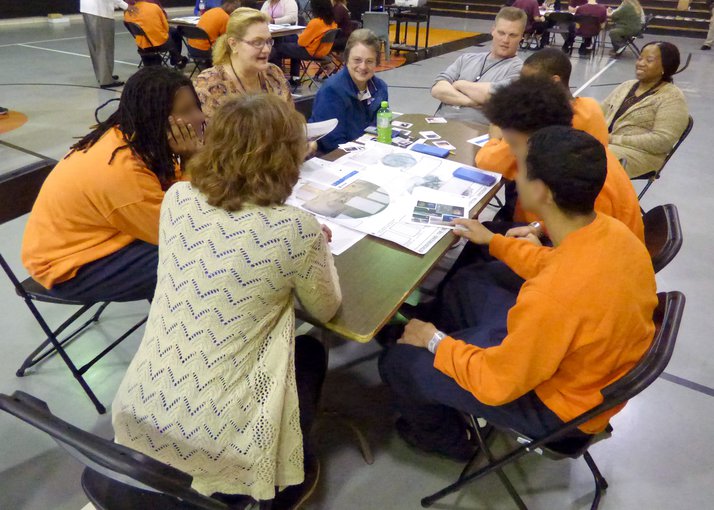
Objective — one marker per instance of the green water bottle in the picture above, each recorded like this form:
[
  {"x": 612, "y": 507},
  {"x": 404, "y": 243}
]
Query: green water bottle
[{"x": 384, "y": 124}]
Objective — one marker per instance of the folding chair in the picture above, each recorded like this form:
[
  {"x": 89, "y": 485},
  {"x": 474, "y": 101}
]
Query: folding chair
[
  {"x": 327, "y": 38},
  {"x": 663, "y": 234},
  {"x": 18, "y": 190},
  {"x": 591, "y": 24},
  {"x": 378, "y": 22},
  {"x": 153, "y": 55},
  {"x": 652, "y": 176},
  {"x": 115, "y": 477},
  {"x": 202, "y": 59},
  {"x": 667, "y": 318},
  {"x": 559, "y": 23}
]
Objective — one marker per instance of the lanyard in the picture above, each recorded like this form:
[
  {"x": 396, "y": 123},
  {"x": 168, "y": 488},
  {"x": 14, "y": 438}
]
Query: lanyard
[{"x": 484, "y": 71}]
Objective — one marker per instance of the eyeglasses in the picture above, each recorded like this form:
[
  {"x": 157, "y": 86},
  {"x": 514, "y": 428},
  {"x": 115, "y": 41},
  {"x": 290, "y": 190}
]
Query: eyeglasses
[
  {"x": 259, "y": 44},
  {"x": 370, "y": 62}
]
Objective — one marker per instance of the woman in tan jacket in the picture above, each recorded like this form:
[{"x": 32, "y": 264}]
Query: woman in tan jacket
[{"x": 647, "y": 116}]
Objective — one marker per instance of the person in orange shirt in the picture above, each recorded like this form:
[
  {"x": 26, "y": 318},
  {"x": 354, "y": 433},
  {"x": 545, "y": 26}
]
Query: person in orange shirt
[
  {"x": 151, "y": 17},
  {"x": 214, "y": 22},
  {"x": 496, "y": 155},
  {"x": 582, "y": 320},
  {"x": 309, "y": 42},
  {"x": 92, "y": 234}
]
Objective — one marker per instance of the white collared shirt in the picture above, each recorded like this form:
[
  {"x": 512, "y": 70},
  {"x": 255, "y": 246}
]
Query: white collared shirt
[{"x": 102, "y": 8}]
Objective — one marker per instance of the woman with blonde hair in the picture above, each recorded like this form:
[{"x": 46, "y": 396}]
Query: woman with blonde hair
[
  {"x": 240, "y": 63},
  {"x": 220, "y": 387},
  {"x": 628, "y": 19}
]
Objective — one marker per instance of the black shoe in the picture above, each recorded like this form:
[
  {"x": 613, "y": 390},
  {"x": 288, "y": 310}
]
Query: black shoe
[
  {"x": 706, "y": 47},
  {"x": 4, "y": 111},
  {"x": 462, "y": 450},
  {"x": 112, "y": 85},
  {"x": 294, "y": 82},
  {"x": 295, "y": 496},
  {"x": 115, "y": 76}
]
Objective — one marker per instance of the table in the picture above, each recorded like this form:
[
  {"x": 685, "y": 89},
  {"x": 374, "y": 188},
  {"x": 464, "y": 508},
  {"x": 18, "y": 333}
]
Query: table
[
  {"x": 406, "y": 15},
  {"x": 192, "y": 21},
  {"x": 377, "y": 276}
]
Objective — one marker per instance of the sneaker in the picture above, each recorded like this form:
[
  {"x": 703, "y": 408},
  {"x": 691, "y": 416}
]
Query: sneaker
[
  {"x": 706, "y": 47},
  {"x": 462, "y": 450},
  {"x": 295, "y": 496}
]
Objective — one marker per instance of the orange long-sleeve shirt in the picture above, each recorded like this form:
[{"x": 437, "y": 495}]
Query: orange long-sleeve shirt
[
  {"x": 213, "y": 22},
  {"x": 312, "y": 35},
  {"x": 582, "y": 319},
  {"x": 89, "y": 208},
  {"x": 496, "y": 155},
  {"x": 617, "y": 199},
  {"x": 152, "y": 19}
]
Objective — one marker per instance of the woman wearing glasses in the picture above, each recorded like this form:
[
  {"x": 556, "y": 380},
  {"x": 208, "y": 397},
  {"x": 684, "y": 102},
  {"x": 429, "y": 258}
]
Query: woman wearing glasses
[
  {"x": 353, "y": 95},
  {"x": 240, "y": 63}
]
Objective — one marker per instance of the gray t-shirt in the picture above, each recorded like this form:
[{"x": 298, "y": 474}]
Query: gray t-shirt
[{"x": 477, "y": 67}]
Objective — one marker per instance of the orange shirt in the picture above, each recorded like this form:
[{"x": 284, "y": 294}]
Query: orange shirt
[
  {"x": 213, "y": 22},
  {"x": 151, "y": 18},
  {"x": 582, "y": 320},
  {"x": 311, "y": 36},
  {"x": 617, "y": 199},
  {"x": 496, "y": 155},
  {"x": 89, "y": 208}
]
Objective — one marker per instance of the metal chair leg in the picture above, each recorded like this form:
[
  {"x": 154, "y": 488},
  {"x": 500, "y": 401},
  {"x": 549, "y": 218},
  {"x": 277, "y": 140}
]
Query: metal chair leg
[
  {"x": 644, "y": 190},
  {"x": 600, "y": 482},
  {"x": 501, "y": 475}
]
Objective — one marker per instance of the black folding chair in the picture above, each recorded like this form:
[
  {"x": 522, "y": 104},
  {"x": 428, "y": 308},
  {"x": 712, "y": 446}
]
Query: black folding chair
[
  {"x": 663, "y": 234},
  {"x": 202, "y": 59},
  {"x": 559, "y": 23},
  {"x": 327, "y": 38},
  {"x": 18, "y": 190},
  {"x": 652, "y": 176},
  {"x": 115, "y": 477},
  {"x": 558, "y": 445},
  {"x": 153, "y": 55},
  {"x": 588, "y": 24}
]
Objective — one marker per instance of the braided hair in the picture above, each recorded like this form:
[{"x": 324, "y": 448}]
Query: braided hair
[{"x": 143, "y": 119}]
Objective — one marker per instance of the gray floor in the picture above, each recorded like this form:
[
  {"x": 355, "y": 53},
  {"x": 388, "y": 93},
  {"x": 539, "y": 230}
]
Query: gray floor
[{"x": 659, "y": 457}]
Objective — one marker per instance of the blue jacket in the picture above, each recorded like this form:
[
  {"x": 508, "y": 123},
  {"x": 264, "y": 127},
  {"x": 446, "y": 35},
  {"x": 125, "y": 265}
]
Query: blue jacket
[{"x": 337, "y": 99}]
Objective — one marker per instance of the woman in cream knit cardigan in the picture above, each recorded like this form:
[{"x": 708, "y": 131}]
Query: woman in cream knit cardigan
[{"x": 647, "y": 116}]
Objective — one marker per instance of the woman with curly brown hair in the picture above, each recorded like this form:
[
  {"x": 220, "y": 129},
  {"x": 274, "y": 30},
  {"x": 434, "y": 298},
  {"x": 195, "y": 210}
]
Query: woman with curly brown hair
[{"x": 220, "y": 387}]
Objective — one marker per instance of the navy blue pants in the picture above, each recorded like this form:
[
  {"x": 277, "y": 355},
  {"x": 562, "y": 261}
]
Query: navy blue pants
[
  {"x": 128, "y": 274},
  {"x": 473, "y": 309}
]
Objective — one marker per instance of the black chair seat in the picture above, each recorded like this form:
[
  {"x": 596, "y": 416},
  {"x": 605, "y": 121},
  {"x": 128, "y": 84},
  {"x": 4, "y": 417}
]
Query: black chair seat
[{"x": 39, "y": 293}]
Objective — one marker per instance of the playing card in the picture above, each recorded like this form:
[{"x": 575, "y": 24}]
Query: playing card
[
  {"x": 443, "y": 144},
  {"x": 399, "y": 124},
  {"x": 429, "y": 135},
  {"x": 435, "y": 120}
]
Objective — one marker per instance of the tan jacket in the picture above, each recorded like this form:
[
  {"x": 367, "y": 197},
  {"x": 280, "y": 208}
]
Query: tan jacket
[{"x": 646, "y": 132}]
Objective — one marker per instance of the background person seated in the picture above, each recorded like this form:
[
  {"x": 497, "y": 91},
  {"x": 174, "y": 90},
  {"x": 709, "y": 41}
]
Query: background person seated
[
  {"x": 281, "y": 12},
  {"x": 627, "y": 20},
  {"x": 236, "y": 411},
  {"x": 214, "y": 22},
  {"x": 209, "y": 4},
  {"x": 92, "y": 234},
  {"x": 569, "y": 333},
  {"x": 354, "y": 94},
  {"x": 647, "y": 116},
  {"x": 591, "y": 8},
  {"x": 309, "y": 42},
  {"x": 344, "y": 23},
  {"x": 240, "y": 63},
  {"x": 536, "y": 23},
  {"x": 467, "y": 83},
  {"x": 151, "y": 17}
]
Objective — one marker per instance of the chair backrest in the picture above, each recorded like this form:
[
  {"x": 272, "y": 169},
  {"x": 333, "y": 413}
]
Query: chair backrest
[
  {"x": 191, "y": 32},
  {"x": 560, "y": 18},
  {"x": 377, "y": 22},
  {"x": 329, "y": 36},
  {"x": 304, "y": 105},
  {"x": 663, "y": 234},
  {"x": 136, "y": 31},
  {"x": 588, "y": 24},
  {"x": 19, "y": 188},
  {"x": 114, "y": 461},
  {"x": 685, "y": 134}
]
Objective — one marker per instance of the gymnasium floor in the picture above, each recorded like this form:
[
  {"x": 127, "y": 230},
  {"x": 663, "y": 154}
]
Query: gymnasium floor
[{"x": 660, "y": 456}]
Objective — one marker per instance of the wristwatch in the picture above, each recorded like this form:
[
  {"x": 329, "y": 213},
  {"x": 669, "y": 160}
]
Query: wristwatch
[
  {"x": 537, "y": 227},
  {"x": 435, "y": 341}
]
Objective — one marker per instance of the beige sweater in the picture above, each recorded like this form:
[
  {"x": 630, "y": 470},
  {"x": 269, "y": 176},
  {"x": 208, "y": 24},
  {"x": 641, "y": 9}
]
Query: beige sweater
[
  {"x": 646, "y": 132},
  {"x": 212, "y": 390}
]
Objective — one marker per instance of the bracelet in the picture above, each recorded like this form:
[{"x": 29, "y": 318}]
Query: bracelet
[
  {"x": 435, "y": 341},
  {"x": 537, "y": 227}
]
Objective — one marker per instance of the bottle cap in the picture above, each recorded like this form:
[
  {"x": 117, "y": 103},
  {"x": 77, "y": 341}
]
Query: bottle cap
[{"x": 385, "y": 104}]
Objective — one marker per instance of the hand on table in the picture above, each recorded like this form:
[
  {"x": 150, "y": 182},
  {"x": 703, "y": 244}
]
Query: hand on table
[
  {"x": 327, "y": 232},
  {"x": 473, "y": 230},
  {"x": 183, "y": 139},
  {"x": 417, "y": 333}
]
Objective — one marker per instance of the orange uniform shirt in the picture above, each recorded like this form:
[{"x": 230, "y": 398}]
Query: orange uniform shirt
[
  {"x": 496, "y": 155},
  {"x": 311, "y": 36},
  {"x": 617, "y": 199},
  {"x": 582, "y": 320},
  {"x": 213, "y": 22},
  {"x": 151, "y": 18},
  {"x": 89, "y": 208}
]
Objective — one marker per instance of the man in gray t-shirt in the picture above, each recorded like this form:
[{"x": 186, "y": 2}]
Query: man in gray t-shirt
[{"x": 467, "y": 83}]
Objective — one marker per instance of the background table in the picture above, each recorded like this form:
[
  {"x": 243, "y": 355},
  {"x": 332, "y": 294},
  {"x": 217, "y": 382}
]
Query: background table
[
  {"x": 377, "y": 276},
  {"x": 192, "y": 21}
]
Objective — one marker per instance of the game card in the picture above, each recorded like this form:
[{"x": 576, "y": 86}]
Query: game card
[{"x": 429, "y": 135}]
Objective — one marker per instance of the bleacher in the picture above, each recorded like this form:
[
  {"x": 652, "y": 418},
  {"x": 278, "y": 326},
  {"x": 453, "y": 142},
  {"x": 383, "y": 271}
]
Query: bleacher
[{"x": 668, "y": 19}]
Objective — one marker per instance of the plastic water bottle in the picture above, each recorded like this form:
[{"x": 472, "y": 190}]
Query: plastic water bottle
[
  {"x": 384, "y": 123},
  {"x": 201, "y": 7}
]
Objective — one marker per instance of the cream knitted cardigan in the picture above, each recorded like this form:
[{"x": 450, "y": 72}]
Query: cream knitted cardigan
[
  {"x": 647, "y": 131},
  {"x": 211, "y": 390}
]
